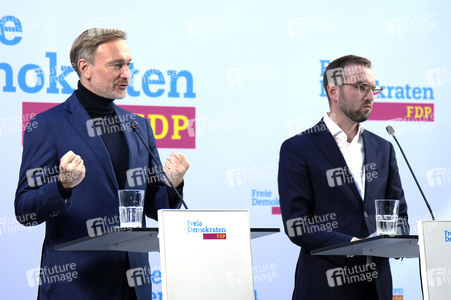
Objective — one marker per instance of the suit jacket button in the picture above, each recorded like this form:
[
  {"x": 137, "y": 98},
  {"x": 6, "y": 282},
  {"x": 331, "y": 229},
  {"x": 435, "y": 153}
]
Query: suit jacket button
[{"x": 365, "y": 214}]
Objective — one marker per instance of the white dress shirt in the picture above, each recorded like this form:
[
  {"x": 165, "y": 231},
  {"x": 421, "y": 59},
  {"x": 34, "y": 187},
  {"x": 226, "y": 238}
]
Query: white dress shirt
[{"x": 353, "y": 152}]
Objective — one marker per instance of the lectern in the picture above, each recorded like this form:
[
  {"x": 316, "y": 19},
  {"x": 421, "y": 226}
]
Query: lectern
[
  {"x": 205, "y": 254},
  {"x": 435, "y": 259},
  {"x": 381, "y": 246}
]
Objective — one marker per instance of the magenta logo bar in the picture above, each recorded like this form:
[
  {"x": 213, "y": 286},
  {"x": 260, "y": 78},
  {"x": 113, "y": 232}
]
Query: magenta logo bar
[
  {"x": 215, "y": 236},
  {"x": 174, "y": 126},
  {"x": 420, "y": 112},
  {"x": 275, "y": 210}
]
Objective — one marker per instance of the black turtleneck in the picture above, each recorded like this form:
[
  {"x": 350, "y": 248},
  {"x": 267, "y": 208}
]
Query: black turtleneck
[
  {"x": 111, "y": 133},
  {"x": 115, "y": 143}
]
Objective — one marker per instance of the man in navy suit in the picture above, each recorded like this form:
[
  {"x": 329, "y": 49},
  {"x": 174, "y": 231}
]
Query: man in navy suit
[
  {"x": 81, "y": 153},
  {"x": 329, "y": 177}
]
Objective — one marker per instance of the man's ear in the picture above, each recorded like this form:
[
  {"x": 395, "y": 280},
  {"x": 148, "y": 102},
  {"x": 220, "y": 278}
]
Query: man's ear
[
  {"x": 333, "y": 91},
  {"x": 85, "y": 68}
]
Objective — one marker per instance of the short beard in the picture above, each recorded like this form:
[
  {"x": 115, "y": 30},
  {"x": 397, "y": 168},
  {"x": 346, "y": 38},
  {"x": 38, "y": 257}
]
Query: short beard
[
  {"x": 108, "y": 94},
  {"x": 105, "y": 92},
  {"x": 355, "y": 115}
]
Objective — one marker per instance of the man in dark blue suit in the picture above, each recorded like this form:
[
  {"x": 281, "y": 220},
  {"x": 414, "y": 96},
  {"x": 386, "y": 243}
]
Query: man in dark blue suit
[
  {"x": 74, "y": 162},
  {"x": 329, "y": 177}
]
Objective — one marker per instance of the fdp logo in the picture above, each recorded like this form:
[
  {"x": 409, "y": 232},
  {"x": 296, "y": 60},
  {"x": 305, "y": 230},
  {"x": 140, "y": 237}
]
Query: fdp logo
[{"x": 10, "y": 29}]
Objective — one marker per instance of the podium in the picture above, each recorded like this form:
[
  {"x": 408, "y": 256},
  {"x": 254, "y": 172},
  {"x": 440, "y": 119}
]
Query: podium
[
  {"x": 381, "y": 246},
  {"x": 435, "y": 258},
  {"x": 205, "y": 254}
]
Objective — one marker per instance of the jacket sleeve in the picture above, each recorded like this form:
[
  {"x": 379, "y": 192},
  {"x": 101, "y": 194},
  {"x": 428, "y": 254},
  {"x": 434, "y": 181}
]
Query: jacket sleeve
[{"x": 38, "y": 197}]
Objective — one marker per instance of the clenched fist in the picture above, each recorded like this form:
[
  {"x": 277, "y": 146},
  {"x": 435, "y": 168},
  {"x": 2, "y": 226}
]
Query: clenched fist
[
  {"x": 72, "y": 170},
  {"x": 175, "y": 167}
]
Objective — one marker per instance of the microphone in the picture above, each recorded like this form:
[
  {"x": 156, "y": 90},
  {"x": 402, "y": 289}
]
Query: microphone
[
  {"x": 391, "y": 131},
  {"x": 134, "y": 127}
]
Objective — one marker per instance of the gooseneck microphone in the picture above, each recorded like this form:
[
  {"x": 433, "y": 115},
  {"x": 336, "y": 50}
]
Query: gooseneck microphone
[
  {"x": 134, "y": 127},
  {"x": 391, "y": 132}
]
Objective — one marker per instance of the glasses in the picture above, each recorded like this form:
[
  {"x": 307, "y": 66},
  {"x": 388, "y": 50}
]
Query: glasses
[{"x": 364, "y": 89}]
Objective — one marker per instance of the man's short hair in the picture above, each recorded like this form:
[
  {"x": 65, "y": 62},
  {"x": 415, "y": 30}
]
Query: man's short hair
[
  {"x": 341, "y": 63},
  {"x": 86, "y": 44}
]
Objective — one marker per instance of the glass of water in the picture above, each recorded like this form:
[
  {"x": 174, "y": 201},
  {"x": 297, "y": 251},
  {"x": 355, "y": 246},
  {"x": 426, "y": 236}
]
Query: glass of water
[
  {"x": 386, "y": 216},
  {"x": 131, "y": 207}
]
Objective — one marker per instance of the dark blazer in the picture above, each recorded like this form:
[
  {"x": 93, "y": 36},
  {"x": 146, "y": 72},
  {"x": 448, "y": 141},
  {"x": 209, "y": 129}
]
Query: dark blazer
[
  {"x": 99, "y": 273},
  {"x": 313, "y": 181}
]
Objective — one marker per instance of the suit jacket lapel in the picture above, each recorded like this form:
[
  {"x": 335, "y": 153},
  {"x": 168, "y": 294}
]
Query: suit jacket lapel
[
  {"x": 79, "y": 119},
  {"x": 326, "y": 144},
  {"x": 370, "y": 158},
  {"x": 134, "y": 145}
]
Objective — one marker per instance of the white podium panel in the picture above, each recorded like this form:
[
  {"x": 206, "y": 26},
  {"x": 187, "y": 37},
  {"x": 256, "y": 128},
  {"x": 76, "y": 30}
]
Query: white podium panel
[
  {"x": 434, "y": 238},
  {"x": 205, "y": 254}
]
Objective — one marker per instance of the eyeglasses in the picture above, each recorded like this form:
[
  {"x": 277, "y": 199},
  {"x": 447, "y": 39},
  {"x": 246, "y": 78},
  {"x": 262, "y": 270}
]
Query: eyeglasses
[{"x": 364, "y": 89}]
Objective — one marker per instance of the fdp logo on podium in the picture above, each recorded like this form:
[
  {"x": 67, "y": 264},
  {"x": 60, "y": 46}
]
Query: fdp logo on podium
[{"x": 208, "y": 232}]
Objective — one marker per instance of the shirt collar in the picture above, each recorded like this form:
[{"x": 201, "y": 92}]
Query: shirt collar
[{"x": 337, "y": 132}]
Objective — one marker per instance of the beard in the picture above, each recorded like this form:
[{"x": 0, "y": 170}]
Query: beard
[
  {"x": 103, "y": 89},
  {"x": 356, "y": 115}
]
